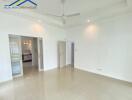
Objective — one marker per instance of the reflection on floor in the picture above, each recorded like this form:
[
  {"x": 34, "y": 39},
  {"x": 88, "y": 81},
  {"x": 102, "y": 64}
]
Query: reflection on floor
[
  {"x": 28, "y": 69},
  {"x": 65, "y": 84}
]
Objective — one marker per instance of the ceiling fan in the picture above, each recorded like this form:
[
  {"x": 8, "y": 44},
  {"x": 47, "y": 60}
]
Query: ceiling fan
[{"x": 64, "y": 16}]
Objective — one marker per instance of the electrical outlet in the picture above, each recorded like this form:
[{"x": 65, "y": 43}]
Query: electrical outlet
[{"x": 99, "y": 69}]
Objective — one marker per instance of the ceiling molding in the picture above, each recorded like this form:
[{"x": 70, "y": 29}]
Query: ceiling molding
[
  {"x": 100, "y": 18},
  {"x": 33, "y": 16},
  {"x": 100, "y": 14}
]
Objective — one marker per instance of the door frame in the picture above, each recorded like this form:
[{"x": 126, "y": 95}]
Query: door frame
[
  {"x": 40, "y": 53},
  {"x": 39, "y": 65},
  {"x": 72, "y": 54}
]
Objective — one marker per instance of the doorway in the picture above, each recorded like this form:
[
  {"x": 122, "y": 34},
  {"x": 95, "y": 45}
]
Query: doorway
[
  {"x": 72, "y": 54},
  {"x": 26, "y": 55},
  {"x": 29, "y": 47},
  {"x": 61, "y": 54},
  {"x": 66, "y": 53}
]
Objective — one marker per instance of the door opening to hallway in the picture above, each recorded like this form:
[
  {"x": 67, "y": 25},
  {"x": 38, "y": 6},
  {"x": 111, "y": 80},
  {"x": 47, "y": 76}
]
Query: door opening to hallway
[
  {"x": 61, "y": 54},
  {"x": 66, "y": 54}
]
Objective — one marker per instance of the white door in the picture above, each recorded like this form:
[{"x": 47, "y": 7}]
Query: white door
[
  {"x": 16, "y": 55},
  {"x": 61, "y": 53},
  {"x": 40, "y": 54}
]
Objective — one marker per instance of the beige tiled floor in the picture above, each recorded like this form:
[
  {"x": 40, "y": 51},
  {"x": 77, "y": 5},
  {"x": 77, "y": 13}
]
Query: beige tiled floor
[
  {"x": 65, "y": 84},
  {"x": 28, "y": 69}
]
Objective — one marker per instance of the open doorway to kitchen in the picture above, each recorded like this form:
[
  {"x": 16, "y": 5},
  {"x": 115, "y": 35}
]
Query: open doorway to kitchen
[
  {"x": 26, "y": 55},
  {"x": 29, "y": 47}
]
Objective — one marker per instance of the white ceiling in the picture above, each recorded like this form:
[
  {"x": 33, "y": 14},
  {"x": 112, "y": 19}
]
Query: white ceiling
[
  {"x": 87, "y": 8},
  {"x": 72, "y": 6}
]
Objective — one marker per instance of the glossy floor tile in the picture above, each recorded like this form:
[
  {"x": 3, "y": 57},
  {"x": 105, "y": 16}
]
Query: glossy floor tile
[{"x": 65, "y": 84}]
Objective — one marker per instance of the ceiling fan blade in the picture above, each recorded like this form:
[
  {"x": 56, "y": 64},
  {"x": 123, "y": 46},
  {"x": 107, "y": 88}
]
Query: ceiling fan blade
[
  {"x": 63, "y": 1},
  {"x": 52, "y": 15},
  {"x": 73, "y": 15}
]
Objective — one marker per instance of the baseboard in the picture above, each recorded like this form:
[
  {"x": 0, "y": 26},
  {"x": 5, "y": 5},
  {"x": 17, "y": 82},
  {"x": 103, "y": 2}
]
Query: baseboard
[
  {"x": 68, "y": 65},
  {"x": 51, "y": 68},
  {"x": 105, "y": 75},
  {"x": 41, "y": 70},
  {"x": 7, "y": 80}
]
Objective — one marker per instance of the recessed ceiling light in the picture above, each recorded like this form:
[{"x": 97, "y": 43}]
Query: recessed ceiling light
[
  {"x": 88, "y": 20},
  {"x": 39, "y": 21}
]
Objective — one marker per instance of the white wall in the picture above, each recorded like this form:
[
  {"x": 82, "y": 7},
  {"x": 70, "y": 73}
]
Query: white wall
[
  {"x": 11, "y": 24},
  {"x": 107, "y": 52},
  {"x": 5, "y": 66}
]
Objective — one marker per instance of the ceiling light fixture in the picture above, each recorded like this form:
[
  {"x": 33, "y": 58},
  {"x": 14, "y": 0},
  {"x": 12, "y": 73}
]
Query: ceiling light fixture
[
  {"x": 88, "y": 21},
  {"x": 39, "y": 21}
]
